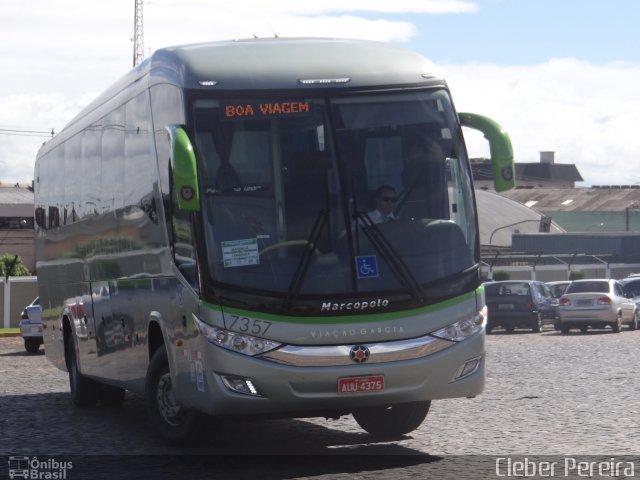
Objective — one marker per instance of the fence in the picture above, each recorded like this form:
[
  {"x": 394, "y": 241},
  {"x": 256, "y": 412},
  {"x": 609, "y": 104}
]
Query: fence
[
  {"x": 549, "y": 268},
  {"x": 18, "y": 292},
  {"x": 15, "y": 294}
]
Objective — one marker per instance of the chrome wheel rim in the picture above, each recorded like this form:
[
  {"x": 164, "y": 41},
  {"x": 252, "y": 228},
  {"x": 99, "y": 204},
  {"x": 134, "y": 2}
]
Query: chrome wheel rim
[{"x": 172, "y": 413}]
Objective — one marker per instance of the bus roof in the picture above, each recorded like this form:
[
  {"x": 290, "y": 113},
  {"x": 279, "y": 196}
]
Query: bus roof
[
  {"x": 271, "y": 64},
  {"x": 290, "y": 63}
]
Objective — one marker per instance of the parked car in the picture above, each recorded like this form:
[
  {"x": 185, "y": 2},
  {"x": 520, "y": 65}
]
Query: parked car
[
  {"x": 631, "y": 285},
  {"x": 515, "y": 304},
  {"x": 557, "y": 288},
  {"x": 597, "y": 303},
  {"x": 31, "y": 326}
]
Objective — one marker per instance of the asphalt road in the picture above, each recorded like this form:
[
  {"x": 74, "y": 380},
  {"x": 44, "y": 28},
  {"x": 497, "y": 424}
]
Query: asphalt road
[{"x": 546, "y": 395}]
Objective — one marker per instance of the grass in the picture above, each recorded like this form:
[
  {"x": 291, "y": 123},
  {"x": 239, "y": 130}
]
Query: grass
[{"x": 9, "y": 332}]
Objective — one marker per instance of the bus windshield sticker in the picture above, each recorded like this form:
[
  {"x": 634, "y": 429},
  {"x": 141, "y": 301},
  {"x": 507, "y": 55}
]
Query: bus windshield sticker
[
  {"x": 241, "y": 110},
  {"x": 367, "y": 266},
  {"x": 239, "y": 253}
]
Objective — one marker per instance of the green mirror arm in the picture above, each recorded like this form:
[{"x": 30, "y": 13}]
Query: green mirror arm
[
  {"x": 502, "y": 163},
  {"x": 184, "y": 169}
]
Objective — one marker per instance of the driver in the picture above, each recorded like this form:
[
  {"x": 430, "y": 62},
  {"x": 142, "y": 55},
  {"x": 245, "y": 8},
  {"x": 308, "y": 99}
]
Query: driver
[{"x": 385, "y": 205}]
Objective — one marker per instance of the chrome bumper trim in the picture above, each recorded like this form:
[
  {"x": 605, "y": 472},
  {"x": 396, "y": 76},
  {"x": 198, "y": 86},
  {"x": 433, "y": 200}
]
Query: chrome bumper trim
[{"x": 337, "y": 355}]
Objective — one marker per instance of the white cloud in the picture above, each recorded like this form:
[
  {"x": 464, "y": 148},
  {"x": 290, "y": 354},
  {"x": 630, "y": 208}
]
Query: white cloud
[
  {"x": 37, "y": 112},
  {"x": 588, "y": 114},
  {"x": 165, "y": 20},
  {"x": 304, "y": 8},
  {"x": 54, "y": 60},
  {"x": 344, "y": 26},
  {"x": 236, "y": 24}
]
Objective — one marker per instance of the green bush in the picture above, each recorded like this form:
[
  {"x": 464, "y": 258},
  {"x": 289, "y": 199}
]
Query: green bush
[
  {"x": 12, "y": 266},
  {"x": 500, "y": 275},
  {"x": 576, "y": 275}
]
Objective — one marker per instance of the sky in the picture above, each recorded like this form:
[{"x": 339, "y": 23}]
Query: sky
[{"x": 558, "y": 75}]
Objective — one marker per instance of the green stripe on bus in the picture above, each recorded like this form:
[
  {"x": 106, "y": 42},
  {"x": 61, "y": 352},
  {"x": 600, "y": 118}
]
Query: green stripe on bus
[{"x": 366, "y": 318}]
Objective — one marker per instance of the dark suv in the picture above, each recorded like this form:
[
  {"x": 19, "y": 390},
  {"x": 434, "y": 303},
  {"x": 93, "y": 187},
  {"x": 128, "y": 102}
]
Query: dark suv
[{"x": 515, "y": 304}]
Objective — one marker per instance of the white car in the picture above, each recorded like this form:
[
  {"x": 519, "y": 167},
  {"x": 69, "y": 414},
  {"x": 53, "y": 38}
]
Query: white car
[
  {"x": 31, "y": 326},
  {"x": 597, "y": 303}
]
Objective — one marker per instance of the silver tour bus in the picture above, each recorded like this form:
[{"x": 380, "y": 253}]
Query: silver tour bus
[{"x": 282, "y": 227}]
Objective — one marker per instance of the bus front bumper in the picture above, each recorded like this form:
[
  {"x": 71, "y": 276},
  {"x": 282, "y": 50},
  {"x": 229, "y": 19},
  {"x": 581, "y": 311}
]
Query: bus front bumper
[{"x": 221, "y": 382}]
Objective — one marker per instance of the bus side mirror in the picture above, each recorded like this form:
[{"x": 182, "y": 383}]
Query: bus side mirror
[
  {"x": 184, "y": 169},
  {"x": 500, "y": 148}
]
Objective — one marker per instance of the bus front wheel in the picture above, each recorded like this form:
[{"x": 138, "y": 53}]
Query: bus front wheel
[
  {"x": 173, "y": 422},
  {"x": 84, "y": 391},
  {"x": 392, "y": 420}
]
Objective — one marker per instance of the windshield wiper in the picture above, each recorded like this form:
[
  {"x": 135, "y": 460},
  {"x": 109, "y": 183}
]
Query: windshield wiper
[
  {"x": 305, "y": 259},
  {"x": 389, "y": 254}
]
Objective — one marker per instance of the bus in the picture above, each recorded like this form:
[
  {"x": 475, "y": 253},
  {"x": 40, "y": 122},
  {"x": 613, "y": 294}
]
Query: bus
[{"x": 206, "y": 237}]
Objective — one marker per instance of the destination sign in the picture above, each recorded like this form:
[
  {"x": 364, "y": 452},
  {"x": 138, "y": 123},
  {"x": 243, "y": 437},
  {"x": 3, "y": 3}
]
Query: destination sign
[{"x": 265, "y": 109}]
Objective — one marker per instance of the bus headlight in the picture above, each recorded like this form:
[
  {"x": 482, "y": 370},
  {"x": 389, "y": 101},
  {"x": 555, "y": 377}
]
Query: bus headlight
[
  {"x": 234, "y": 341},
  {"x": 464, "y": 328}
]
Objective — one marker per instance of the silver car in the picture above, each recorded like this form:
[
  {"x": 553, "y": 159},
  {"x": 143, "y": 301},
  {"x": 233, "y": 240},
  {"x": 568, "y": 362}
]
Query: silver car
[
  {"x": 631, "y": 285},
  {"x": 596, "y": 303}
]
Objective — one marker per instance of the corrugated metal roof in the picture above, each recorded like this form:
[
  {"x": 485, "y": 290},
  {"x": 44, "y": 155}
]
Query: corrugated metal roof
[
  {"x": 497, "y": 214},
  {"x": 16, "y": 202},
  {"x": 593, "y": 199}
]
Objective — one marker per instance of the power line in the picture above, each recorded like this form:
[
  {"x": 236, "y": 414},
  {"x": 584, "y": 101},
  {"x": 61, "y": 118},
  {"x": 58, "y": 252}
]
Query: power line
[{"x": 26, "y": 133}]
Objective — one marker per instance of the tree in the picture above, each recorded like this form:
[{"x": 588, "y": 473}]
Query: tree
[
  {"x": 12, "y": 266},
  {"x": 576, "y": 275},
  {"x": 501, "y": 275}
]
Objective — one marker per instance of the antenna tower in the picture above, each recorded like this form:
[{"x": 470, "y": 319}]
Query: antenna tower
[{"x": 138, "y": 40}]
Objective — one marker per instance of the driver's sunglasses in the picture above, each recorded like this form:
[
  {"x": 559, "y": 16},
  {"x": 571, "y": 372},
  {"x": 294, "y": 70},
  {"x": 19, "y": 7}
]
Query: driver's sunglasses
[{"x": 388, "y": 199}]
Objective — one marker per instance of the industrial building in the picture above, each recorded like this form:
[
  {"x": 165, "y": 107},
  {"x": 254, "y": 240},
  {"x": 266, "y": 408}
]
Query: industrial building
[{"x": 16, "y": 222}]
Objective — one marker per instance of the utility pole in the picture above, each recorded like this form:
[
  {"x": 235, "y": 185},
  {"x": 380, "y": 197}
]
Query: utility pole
[{"x": 138, "y": 40}]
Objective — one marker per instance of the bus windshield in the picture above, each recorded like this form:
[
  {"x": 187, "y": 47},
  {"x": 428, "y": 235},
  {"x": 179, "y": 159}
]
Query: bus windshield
[{"x": 344, "y": 196}]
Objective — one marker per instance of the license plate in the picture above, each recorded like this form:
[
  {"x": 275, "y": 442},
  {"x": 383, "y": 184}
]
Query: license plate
[
  {"x": 36, "y": 330},
  {"x": 505, "y": 306},
  {"x": 584, "y": 303},
  {"x": 374, "y": 383}
]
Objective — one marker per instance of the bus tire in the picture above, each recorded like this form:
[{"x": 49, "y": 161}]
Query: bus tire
[
  {"x": 392, "y": 420},
  {"x": 84, "y": 391},
  {"x": 174, "y": 422}
]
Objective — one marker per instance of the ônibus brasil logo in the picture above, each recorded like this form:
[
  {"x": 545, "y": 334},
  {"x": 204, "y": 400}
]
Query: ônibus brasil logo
[{"x": 37, "y": 469}]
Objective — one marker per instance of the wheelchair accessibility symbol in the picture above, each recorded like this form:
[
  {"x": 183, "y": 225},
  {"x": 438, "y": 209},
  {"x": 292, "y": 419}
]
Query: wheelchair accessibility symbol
[{"x": 367, "y": 266}]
